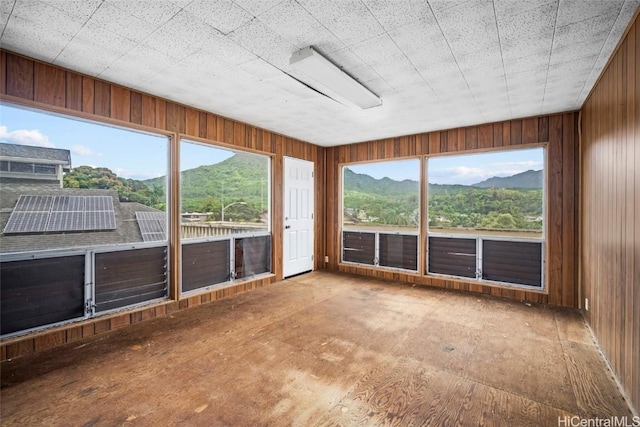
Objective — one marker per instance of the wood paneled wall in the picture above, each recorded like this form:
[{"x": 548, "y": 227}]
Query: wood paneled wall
[
  {"x": 610, "y": 209},
  {"x": 34, "y": 84},
  {"x": 560, "y": 134}
]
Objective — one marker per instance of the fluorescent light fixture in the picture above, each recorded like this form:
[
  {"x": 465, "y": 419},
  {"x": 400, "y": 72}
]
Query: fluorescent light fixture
[{"x": 330, "y": 80}]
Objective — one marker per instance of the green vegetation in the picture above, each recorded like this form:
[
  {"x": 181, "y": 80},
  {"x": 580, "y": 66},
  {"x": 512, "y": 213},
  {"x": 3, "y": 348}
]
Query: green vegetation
[
  {"x": 485, "y": 208},
  {"x": 129, "y": 190},
  {"x": 380, "y": 201},
  {"x": 240, "y": 181},
  {"x": 387, "y": 202}
]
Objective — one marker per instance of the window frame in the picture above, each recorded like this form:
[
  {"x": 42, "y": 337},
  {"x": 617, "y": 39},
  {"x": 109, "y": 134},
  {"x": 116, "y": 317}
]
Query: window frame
[
  {"x": 268, "y": 232},
  {"x": 89, "y": 251},
  {"x": 380, "y": 230},
  {"x": 480, "y": 238}
]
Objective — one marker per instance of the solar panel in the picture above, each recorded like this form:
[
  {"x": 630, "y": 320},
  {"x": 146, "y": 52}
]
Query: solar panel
[
  {"x": 26, "y": 222},
  {"x": 68, "y": 203},
  {"x": 66, "y": 221},
  {"x": 153, "y": 225},
  {"x": 153, "y": 237},
  {"x": 100, "y": 220},
  {"x": 98, "y": 203},
  {"x": 37, "y": 214},
  {"x": 34, "y": 203}
]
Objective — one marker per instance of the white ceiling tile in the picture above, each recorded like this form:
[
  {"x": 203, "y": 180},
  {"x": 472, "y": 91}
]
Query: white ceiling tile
[
  {"x": 5, "y": 11},
  {"x": 223, "y": 15},
  {"x": 392, "y": 14},
  {"x": 155, "y": 12},
  {"x": 532, "y": 29},
  {"x": 257, "y": 7},
  {"x": 595, "y": 29},
  {"x": 21, "y": 35},
  {"x": 181, "y": 36},
  {"x": 298, "y": 26},
  {"x": 576, "y": 51},
  {"x": 506, "y": 9},
  {"x": 77, "y": 55},
  {"x": 82, "y": 9},
  {"x": 226, "y": 50},
  {"x": 264, "y": 43},
  {"x": 488, "y": 61},
  {"x": 469, "y": 26},
  {"x": 137, "y": 66},
  {"x": 535, "y": 62},
  {"x": 181, "y": 3},
  {"x": 261, "y": 70},
  {"x": 573, "y": 11},
  {"x": 122, "y": 23},
  {"x": 47, "y": 16},
  {"x": 349, "y": 20}
]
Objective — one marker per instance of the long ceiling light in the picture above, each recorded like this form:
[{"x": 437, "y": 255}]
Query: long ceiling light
[{"x": 325, "y": 74}]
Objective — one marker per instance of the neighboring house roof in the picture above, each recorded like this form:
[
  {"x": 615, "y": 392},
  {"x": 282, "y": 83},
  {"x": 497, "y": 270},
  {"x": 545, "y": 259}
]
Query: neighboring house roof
[
  {"x": 43, "y": 154},
  {"x": 126, "y": 231}
]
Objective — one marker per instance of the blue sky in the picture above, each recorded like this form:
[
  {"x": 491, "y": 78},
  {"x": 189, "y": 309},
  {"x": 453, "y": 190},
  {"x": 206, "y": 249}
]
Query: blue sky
[{"x": 459, "y": 169}]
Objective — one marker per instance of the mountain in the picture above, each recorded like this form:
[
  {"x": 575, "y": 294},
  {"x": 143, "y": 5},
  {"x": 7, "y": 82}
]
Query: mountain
[
  {"x": 384, "y": 186},
  {"x": 242, "y": 177},
  {"x": 528, "y": 179}
]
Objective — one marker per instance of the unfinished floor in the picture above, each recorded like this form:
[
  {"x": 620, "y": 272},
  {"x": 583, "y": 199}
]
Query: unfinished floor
[{"x": 324, "y": 349}]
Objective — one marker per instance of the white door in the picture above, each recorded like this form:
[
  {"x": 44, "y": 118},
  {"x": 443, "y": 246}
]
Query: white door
[{"x": 298, "y": 216}]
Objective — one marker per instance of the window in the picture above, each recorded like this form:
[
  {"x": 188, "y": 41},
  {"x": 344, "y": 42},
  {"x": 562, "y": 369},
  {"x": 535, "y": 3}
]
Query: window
[
  {"x": 225, "y": 215},
  {"x": 381, "y": 214},
  {"x": 486, "y": 216},
  {"x": 75, "y": 197}
]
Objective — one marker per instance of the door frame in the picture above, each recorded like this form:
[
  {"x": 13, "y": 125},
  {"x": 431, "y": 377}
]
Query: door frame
[{"x": 284, "y": 210}]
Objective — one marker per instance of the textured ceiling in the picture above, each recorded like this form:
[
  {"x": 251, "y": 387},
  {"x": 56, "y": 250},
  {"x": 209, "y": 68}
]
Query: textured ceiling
[{"x": 436, "y": 64}]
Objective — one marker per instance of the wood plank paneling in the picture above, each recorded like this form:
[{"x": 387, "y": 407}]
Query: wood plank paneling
[
  {"x": 485, "y": 136},
  {"x": 610, "y": 208},
  {"x": 148, "y": 111},
  {"x": 102, "y": 98},
  {"x": 20, "y": 75},
  {"x": 49, "y": 85},
  {"x": 192, "y": 122},
  {"x": 88, "y": 95},
  {"x": 74, "y": 91},
  {"x": 136, "y": 108},
  {"x": 120, "y": 103}
]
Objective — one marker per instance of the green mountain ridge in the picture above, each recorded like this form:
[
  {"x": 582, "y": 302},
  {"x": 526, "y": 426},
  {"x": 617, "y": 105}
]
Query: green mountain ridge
[{"x": 527, "y": 179}]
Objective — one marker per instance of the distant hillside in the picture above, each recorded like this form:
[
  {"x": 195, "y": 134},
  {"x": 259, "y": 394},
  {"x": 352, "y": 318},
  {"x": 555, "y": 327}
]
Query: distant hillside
[
  {"x": 367, "y": 184},
  {"x": 528, "y": 179},
  {"x": 242, "y": 177}
]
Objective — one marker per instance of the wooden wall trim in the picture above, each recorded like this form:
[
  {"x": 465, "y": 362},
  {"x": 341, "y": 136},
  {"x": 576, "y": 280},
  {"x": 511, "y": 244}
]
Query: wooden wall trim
[
  {"x": 559, "y": 134},
  {"x": 610, "y": 209}
]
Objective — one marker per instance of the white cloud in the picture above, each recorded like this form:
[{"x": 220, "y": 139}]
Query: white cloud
[
  {"x": 81, "y": 150},
  {"x": 471, "y": 175},
  {"x": 125, "y": 173},
  {"x": 25, "y": 137}
]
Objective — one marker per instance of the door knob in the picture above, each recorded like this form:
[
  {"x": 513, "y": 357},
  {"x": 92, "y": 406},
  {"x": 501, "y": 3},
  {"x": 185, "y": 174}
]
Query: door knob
[{"x": 287, "y": 226}]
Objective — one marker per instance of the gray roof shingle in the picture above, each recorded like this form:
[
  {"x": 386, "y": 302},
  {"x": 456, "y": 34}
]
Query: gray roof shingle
[{"x": 31, "y": 152}]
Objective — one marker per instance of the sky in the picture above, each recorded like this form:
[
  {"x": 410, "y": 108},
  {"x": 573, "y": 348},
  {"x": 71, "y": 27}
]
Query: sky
[
  {"x": 138, "y": 155},
  {"x": 463, "y": 169},
  {"x": 129, "y": 154}
]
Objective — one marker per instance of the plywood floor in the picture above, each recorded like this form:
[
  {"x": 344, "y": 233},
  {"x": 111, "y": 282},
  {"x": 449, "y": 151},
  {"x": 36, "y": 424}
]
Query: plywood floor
[{"x": 321, "y": 350}]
